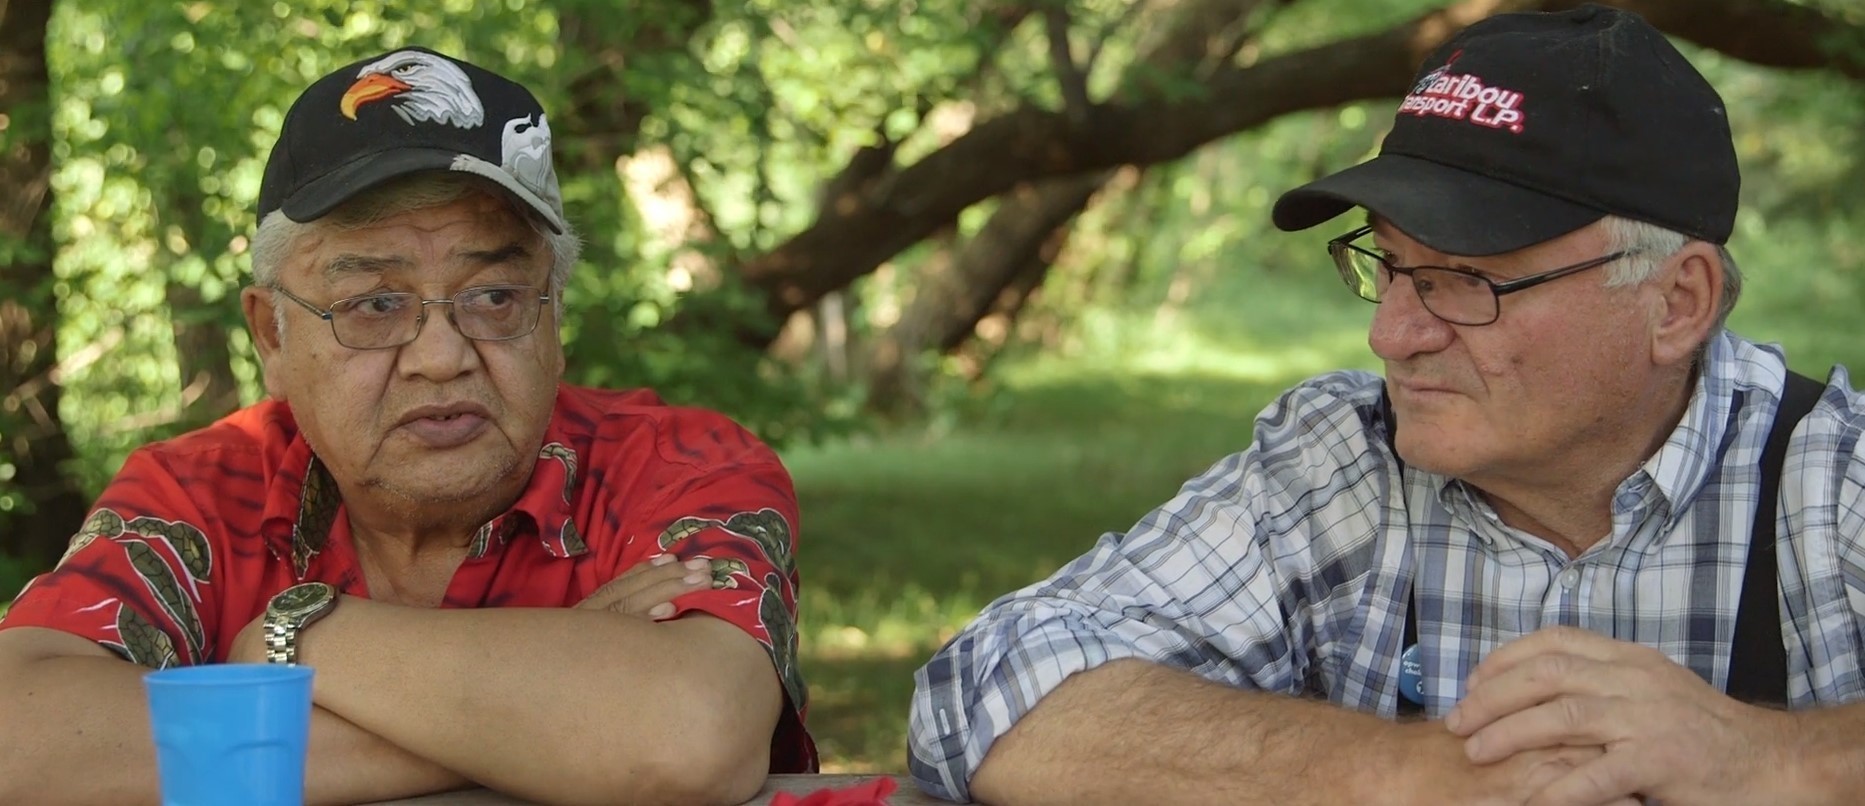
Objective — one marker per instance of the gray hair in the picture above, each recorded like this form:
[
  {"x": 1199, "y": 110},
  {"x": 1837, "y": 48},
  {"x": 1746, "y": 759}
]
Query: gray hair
[
  {"x": 276, "y": 235},
  {"x": 1649, "y": 246}
]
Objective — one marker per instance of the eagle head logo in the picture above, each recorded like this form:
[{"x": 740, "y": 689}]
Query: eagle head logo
[{"x": 419, "y": 87}]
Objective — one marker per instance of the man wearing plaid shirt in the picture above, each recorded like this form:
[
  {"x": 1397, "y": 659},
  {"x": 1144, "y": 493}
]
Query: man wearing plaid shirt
[{"x": 1555, "y": 483}]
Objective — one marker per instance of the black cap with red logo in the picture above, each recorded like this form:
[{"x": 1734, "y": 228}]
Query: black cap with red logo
[
  {"x": 404, "y": 112},
  {"x": 1525, "y": 127}
]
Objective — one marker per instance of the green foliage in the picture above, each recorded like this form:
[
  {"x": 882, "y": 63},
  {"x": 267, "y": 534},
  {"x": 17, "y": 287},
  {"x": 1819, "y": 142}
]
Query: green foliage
[
  {"x": 14, "y": 574},
  {"x": 1173, "y": 313}
]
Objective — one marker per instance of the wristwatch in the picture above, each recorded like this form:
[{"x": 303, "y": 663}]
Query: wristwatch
[{"x": 292, "y": 610}]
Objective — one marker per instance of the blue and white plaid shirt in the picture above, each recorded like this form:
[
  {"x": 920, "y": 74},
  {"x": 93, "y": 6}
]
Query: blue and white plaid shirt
[{"x": 1284, "y": 568}]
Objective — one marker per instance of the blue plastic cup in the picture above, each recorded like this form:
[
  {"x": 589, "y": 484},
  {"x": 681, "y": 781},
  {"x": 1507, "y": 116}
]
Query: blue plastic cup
[{"x": 230, "y": 734}]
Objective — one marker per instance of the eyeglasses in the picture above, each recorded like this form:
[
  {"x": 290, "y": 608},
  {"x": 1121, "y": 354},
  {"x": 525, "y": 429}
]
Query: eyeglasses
[
  {"x": 392, "y": 319},
  {"x": 1457, "y": 296}
]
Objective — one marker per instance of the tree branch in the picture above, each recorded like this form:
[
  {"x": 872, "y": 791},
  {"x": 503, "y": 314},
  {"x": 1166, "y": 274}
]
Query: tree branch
[
  {"x": 1127, "y": 16},
  {"x": 1033, "y": 143},
  {"x": 1074, "y": 82}
]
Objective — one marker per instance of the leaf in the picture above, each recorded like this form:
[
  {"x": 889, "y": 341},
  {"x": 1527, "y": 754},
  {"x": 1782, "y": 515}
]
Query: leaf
[
  {"x": 317, "y": 512},
  {"x": 770, "y": 531},
  {"x": 572, "y": 539},
  {"x": 188, "y": 542},
  {"x": 143, "y": 643},
  {"x": 557, "y": 451},
  {"x": 723, "y": 569},
  {"x": 684, "y": 528},
  {"x": 102, "y": 523},
  {"x": 160, "y": 579},
  {"x": 780, "y": 625}
]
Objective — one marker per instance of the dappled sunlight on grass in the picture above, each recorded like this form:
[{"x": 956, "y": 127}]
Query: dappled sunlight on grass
[{"x": 859, "y": 656}]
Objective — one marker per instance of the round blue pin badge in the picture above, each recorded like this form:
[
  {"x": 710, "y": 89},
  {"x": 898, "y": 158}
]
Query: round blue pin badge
[{"x": 1411, "y": 676}]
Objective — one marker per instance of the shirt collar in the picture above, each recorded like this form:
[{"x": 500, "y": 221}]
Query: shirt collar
[
  {"x": 1688, "y": 458},
  {"x": 302, "y": 505}
]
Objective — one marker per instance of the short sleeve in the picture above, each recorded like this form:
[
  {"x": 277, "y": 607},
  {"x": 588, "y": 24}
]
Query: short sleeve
[
  {"x": 739, "y": 511},
  {"x": 138, "y": 576}
]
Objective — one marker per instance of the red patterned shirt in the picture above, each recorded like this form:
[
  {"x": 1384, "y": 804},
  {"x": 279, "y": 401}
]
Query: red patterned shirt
[{"x": 198, "y": 532}]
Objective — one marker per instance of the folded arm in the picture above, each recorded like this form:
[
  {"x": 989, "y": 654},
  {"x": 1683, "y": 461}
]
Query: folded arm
[
  {"x": 556, "y": 705},
  {"x": 67, "y": 703},
  {"x": 1172, "y": 663}
]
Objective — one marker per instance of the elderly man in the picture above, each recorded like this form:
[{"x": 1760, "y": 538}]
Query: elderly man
[
  {"x": 568, "y": 594},
  {"x": 1535, "y": 531}
]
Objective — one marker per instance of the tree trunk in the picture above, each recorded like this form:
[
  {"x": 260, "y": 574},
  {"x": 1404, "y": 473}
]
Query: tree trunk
[
  {"x": 31, "y": 432},
  {"x": 202, "y": 352},
  {"x": 1017, "y": 245},
  {"x": 951, "y": 298}
]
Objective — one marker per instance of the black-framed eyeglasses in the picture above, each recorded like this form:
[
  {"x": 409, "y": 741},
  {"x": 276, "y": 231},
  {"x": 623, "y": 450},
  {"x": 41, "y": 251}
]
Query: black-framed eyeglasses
[
  {"x": 1457, "y": 296},
  {"x": 394, "y": 318}
]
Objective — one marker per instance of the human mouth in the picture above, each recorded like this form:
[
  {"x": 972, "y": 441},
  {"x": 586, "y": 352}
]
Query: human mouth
[
  {"x": 1418, "y": 390},
  {"x": 444, "y": 426}
]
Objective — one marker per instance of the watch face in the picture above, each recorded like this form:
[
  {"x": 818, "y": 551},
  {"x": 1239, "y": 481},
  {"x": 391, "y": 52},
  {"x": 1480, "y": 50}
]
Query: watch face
[{"x": 301, "y": 600}]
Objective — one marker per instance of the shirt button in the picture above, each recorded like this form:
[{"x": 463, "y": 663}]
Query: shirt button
[{"x": 1570, "y": 578}]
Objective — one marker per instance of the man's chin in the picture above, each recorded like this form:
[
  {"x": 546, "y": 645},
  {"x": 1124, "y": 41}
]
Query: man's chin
[
  {"x": 442, "y": 483},
  {"x": 1429, "y": 450}
]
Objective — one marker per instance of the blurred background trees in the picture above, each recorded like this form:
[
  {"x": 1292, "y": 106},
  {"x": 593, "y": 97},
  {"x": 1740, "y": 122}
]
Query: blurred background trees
[{"x": 851, "y": 224}]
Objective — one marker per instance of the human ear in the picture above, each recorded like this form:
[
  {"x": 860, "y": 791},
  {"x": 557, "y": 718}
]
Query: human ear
[
  {"x": 262, "y": 321},
  {"x": 1690, "y": 294}
]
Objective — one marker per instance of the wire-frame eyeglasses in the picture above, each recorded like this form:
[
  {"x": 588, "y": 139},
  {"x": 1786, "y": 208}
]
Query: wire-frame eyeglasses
[
  {"x": 1457, "y": 296},
  {"x": 391, "y": 319}
]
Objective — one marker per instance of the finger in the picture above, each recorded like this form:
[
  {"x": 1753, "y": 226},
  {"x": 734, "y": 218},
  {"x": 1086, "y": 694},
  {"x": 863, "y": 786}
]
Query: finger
[
  {"x": 657, "y": 561},
  {"x": 1561, "y": 640},
  {"x": 660, "y": 611},
  {"x": 1530, "y": 683},
  {"x": 1611, "y": 779},
  {"x": 637, "y": 578},
  {"x": 1560, "y": 722},
  {"x": 641, "y": 601}
]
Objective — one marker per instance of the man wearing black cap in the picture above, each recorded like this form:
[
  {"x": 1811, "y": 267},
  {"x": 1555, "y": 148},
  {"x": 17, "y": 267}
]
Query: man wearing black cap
[
  {"x": 569, "y": 594},
  {"x": 1530, "y": 541}
]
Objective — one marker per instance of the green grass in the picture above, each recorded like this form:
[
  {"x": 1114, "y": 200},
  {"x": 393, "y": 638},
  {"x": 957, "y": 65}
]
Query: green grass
[{"x": 906, "y": 536}]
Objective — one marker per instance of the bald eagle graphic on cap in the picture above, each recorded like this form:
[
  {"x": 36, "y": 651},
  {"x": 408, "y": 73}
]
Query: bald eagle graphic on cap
[{"x": 420, "y": 87}]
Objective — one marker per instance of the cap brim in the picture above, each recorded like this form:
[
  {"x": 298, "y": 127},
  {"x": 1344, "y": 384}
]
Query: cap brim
[
  {"x": 323, "y": 194},
  {"x": 1448, "y": 209}
]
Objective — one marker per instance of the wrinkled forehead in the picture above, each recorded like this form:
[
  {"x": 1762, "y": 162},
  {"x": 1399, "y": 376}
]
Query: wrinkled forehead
[{"x": 458, "y": 237}]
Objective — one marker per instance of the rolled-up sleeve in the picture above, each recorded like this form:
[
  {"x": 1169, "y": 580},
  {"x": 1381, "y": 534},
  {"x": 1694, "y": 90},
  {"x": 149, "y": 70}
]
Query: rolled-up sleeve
[
  {"x": 1236, "y": 579},
  {"x": 1187, "y": 587}
]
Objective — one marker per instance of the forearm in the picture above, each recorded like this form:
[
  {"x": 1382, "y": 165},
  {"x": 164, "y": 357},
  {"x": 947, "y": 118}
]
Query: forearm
[
  {"x": 552, "y": 705},
  {"x": 77, "y": 731},
  {"x": 1821, "y": 758},
  {"x": 1135, "y": 732}
]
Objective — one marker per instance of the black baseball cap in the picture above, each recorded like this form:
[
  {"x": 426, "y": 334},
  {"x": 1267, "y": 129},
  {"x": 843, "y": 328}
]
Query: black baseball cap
[
  {"x": 1525, "y": 127},
  {"x": 404, "y": 112}
]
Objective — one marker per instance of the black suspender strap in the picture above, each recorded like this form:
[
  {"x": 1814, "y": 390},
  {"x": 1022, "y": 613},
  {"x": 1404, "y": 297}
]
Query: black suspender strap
[
  {"x": 1757, "y": 655},
  {"x": 1407, "y": 708}
]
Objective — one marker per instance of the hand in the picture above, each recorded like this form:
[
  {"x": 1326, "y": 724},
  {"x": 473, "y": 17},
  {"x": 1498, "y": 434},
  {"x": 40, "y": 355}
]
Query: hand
[
  {"x": 1666, "y": 734},
  {"x": 1435, "y": 771},
  {"x": 648, "y": 589}
]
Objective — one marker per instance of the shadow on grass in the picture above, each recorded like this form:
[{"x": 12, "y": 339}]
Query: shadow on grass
[{"x": 858, "y": 710}]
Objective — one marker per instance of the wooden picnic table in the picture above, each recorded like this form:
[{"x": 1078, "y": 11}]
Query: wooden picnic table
[{"x": 906, "y": 795}]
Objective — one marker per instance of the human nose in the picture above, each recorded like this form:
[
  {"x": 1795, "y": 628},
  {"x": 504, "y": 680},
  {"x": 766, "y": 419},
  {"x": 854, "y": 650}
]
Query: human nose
[
  {"x": 439, "y": 350},
  {"x": 1402, "y": 326}
]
